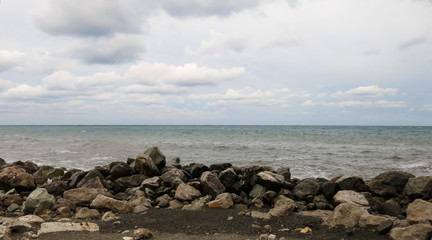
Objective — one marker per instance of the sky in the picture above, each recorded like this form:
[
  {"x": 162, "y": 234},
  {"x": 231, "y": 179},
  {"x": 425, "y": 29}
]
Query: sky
[{"x": 281, "y": 62}]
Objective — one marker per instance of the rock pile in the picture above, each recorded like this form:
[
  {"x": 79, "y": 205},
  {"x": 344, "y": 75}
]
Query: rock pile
[{"x": 394, "y": 203}]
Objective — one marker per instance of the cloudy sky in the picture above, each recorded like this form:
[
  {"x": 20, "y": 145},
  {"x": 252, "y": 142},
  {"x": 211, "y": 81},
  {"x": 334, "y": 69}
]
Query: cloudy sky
[{"x": 359, "y": 62}]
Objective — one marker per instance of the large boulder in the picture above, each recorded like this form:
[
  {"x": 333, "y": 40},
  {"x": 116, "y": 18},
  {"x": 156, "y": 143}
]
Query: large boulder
[
  {"x": 305, "y": 188},
  {"x": 186, "y": 192},
  {"x": 173, "y": 177},
  {"x": 223, "y": 200},
  {"x": 270, "y": 180},
  {"x": 351, "y": 182},
  {"x": 39, "y": 200},
  {"x": 49, "y": 227},
  {"x": 16, "y": 177},
  {"x": 417, "y": 232},
  {"x": 56, "y": 188},
  {"x": 389, "y": 184},
  {"x": 143, "y": 164},
  {"x": 120, "y": 169},
  {"x": 121, "y": 184},
  {"x": 157, "y": 156},
  {"x": 84, "y": 196},
  {"x": 104, "y": 202},
  {"x": 419, "y": 187},
  {"x": 196, "y": 169},
  {"x": 419, "y": 211},
  {"x": 211, "y": 184},
  {"x": 350, "y": 196},
  {"x": 347, "y": 214},
  {"x": 153, "y": 183},
  {"x": 283, "y": 206},
  {"x": 89, "y": 176},
  {"x": 390, "y": 207},
  {"x": 228, "y": 177}
]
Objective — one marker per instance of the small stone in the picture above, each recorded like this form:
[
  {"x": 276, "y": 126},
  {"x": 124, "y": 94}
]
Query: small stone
[
  {"x": 263, "y": 237},
  {"x": 255, "y": 226},
  {"x": 306, "y": 230},
  {"x": 268, "y": 228},
  {"x": 271, "y": 237},
  {"x": 142, "y": 233},
  {"x": 109, "y": 216},
  {"x": 230, "y": 218}
]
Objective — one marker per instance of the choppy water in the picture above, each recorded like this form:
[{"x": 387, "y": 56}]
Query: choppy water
[{"x": 310, "y": 151}]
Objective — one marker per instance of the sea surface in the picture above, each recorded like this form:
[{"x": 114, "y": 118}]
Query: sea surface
[{"x": 310, "y": 151}]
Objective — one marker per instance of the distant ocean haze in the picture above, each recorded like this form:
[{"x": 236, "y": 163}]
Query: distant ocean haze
[{"x": 310, "y": 151}]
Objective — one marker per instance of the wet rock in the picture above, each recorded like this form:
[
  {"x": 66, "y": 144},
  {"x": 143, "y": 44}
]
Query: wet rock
[
  {"x": 84, "y": 196},
  {"x": 197, "y": 204},
  {"x": 257, "y": 190},
  {"x": 349, "y": 196},
  {"x": 153, "y": 183},
  {"x": 389, "y": 184},
  {"x": 347, "y": 214},
  {"x": 305, "y": 188},
  {"x": 104, "y": 202},
  {"x": 38, "y": 200},
  {"x": 257, "y": 202},
  {"x": 352, "y": 182},
  {"x": 186, "y": 192},
  {"x": 175, "y": 162},
  {"x": 270, "y": 180},
  {"x": 87, "y": 214},
  {"x": 419, "y": 211},
  {"x": 419, "y": 187},
  {"x": 283, "y": 206},
  {"x": 196, "y": 169},
  {"x": 228, "y": 177},
  {"x": 223, "y": 200},
  {"x": 49, "y": 227},
  {"x": 142, "y": 233},
  {"x": 173, "y": 176},
  {"x": 16, "y": 177},
  {"x": 120, "y": 169},
  {"x": 390, "y": 207},
  {"x": 285, "y": 172},
  {"x": 56, "y": 188},
  {"x": 417, "y": 232},
  {"x": 329, "y": 189},
  {"x": 144, "y": 165},
  {"x": 211, "y": 184},
  {"x": 157, "y": 157}
]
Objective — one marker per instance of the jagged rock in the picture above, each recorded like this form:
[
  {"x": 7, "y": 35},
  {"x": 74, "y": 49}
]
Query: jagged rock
[
  {"x": 270, "y": 180},
  {"x": 87, "y": 214},
  {"x": 198, "y": 203},
  {"x": 186, "y": 192},
  {"x": 153, "y": 182},
  {"x": 144, "y": 165},
  {"x": 228, "y": 177},
  {"x": 223, "y": 200},
  {"x": 75, "y": 178},
  {"x": 283, "y": 206},
  {"x": 350, "y": 196},
  {"x": 104, "y": 202},
  {"x": 142, "y": 233},
  {"x": 285, "y": 172},
  {"x": 390, "y": 207},
  {"x": 84, "y": 196},
  {"x": 56, "y": 188},
  {"x": 257, "y": 190},
  {"x": 305, "y": 188},
  {"x": 157, "y": 157},
  {"x": 419, "y": 187},
  {"x": 419, "y": 211},
  {"x": 16, "y": 177},
  {"x": 417, "y": 232},
  {"x": 389, "y": 184},
  {"x": 90, "y": 175},
  {"x": 121, "y": 184},
  {"x": 38, "y": 200},
  {"x": 95, "y": 182},
  {"x": 351, "y": 182},
  {"x": 196, "y": 169},
  {"x": 220, "y": 166},
  {"x": 173, "y": 176},
  {"x": 49, "y": 227},
  {"x": 211, "y": 184},
  {"x": 141, "y": 204},
  {"x": 120, "y": 169},
  {"x": 347, "y": 214}
]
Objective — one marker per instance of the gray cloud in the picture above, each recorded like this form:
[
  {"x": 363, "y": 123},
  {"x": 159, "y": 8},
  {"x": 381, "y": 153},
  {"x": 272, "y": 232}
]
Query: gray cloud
[
  {"x": 412, "y": 42},
  {"x": 93, "y": 18}
]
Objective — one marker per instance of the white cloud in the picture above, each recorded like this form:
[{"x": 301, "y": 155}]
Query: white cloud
[
  {"x": 357, "y": 104},
  {"x": 366, "y": 92},
  {"x": 390, "y": 104},
  {"x": 9, "y": 59},
  {"x": 426, "y": 107}
]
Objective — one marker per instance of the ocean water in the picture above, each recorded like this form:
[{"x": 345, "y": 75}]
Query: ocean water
[{"x": 310, "y": 151}]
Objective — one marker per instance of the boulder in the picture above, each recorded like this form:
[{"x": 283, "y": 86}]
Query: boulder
[
  {"x": 38, "y": 200},
  {"x": 49, "y": 227},
  {"x": 173, "y": 177},
  {"x": 157, "y": 156},
  {"x": 223, "y": 200},
  {"x": 186, "y": 192},
  {"x": 419, "y": 187},
  {"x": 104, "y": 202},
  {"x": 16, "y": 177},
  {"x": 197, "y": 204},
  {"x": 390, "y": 207},
  {"x": 120, "y": 169},
  {"x": 75, "y": 178},
  {"x": 347, "y": 214},
  {"x": 350, "y": 196},
  {"x": 419, "y": 211},
  {"x": 211, "y": 184},
  {"x": 90, "y": 175},
  {"x": 95, "y": 182},
  {"x": 122, "y": 183},
  {"x": 142, "y": 233},
  {"x": 144, "y": 165},
  {"x": 321, "y": 202},
  {"x": 285, "y": 172},
  {"x": 270, "y": 180},
  {"x": 87, "y": 214},
  {"x": 417, "y": 232},
  {"x": 372, "y": 221},
  {"x": 196, "y": 169},
  {"x": 329, "y": 189},
  {"x": 261, "y": 215},
  {"x": 84, "y": 196},
  {"x": 220, "y": 166},
  {"x": 48, "y": 172},
  {"x": 283, "y": 206},
  {"x": 351, "y": 182},
  {"x": 64, "y": 212},
  {"x": 228, "y": 177},
  {"x": 257, "y": 190},
  {"x": 56, "y": 188},
  {"x": 389, "y": 184},
  {"x": 153, "y": 183},
  {"x": 10, "y": 199},
  {"x": 305, "y": 188}
]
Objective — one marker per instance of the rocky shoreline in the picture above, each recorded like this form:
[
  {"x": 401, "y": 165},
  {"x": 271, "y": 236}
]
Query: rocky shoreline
[{"x": 36, "y": 200}]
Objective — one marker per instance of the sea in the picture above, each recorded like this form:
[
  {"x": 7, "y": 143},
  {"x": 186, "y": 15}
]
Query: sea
[{"x": 309, "y": 151}]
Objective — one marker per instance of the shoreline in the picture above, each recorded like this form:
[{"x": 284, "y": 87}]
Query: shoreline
[{"x": 148, "y": 188}]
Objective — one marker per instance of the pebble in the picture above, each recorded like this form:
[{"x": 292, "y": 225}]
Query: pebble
[
  {"x": 255, "y": 226},
  {"x": 268, "y": 228}
]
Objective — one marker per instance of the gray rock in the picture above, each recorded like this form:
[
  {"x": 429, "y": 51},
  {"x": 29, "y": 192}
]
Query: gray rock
[
  {"x": 417, "y": 232},
  {"x": 285, "y": 171},
  {"x": 173, "y": 176},
  {"x": 351, "y": 182},
  {"x": 84, "y": 196},
  {"x": 186, "y": 192},
  {"x": 220, "y": 166},
  {"x": 142, "y": 233},
  {"x": 144, "y": 165},
  {"x": 87, "y": 214},
  {"x": 90, "y": 175},
  {"x": 385, "y": 227},
  {"x": 419, "y": 211},
  {"x": 104, "y": 202},
  {"x": 283, "y": 206},
  {"x": 419, "y": 187},
  {"x": 329, "y": 189},
  {"x": 121, "y": 184},
  {"x": 390, "y": 207},
  {"x": 157, "y": 156},
  {"x": 38, "y": 200},
  {"x": 350, "y": 196},
  {"x": 305, "y": 188},
  {"x": 389, "y": 184},
  {"x": 48, "y": 172},
  {"x": 257, "y": 190},
  {"x": 347, "y": 214},
  {"x": 153, "y": 183},
  {"x": 270, "y": 180},
  {"x": 120, "y": 169},
  {"x": 196, "y": 169},
  {"x": 211, "y": 184},
  {"x": 56, "y": 188}
]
